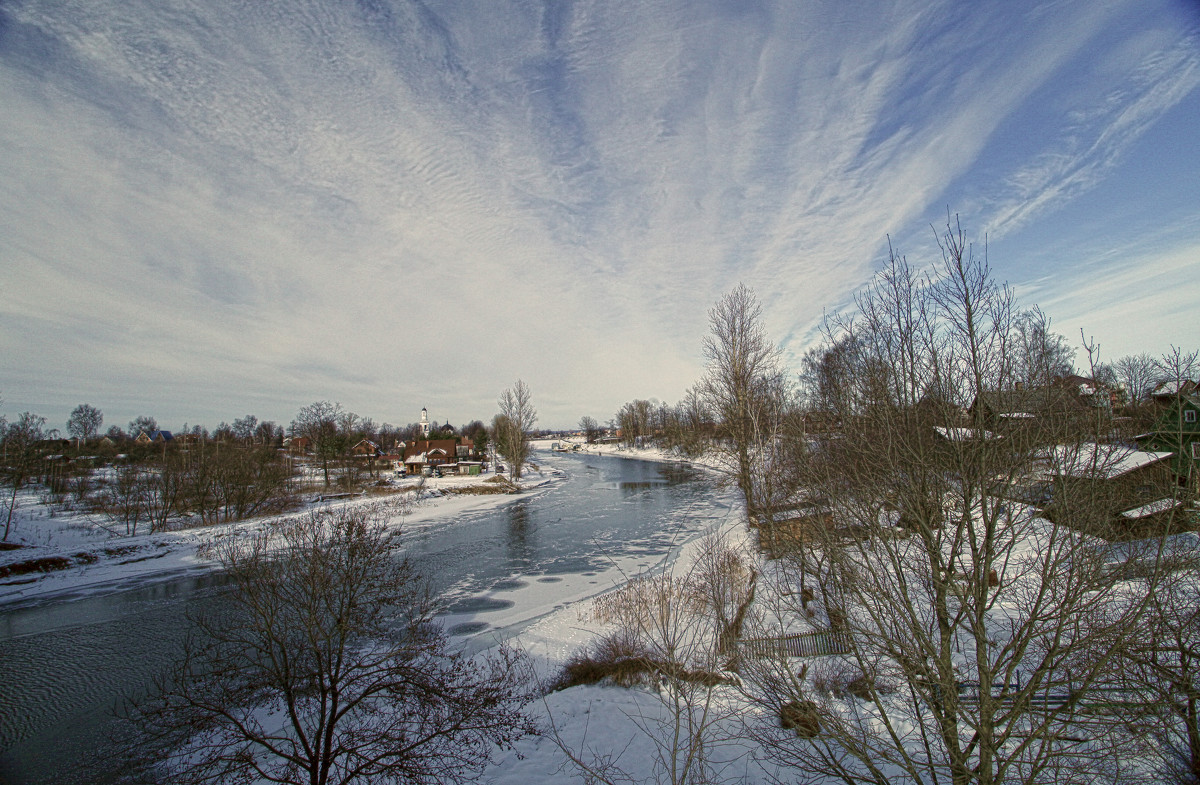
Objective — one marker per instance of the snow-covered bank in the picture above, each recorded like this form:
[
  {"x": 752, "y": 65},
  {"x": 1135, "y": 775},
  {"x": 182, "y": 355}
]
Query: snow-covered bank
[
  {"x": 611, "y": 725},
  {"x": 66, "y": 554},
  {"x": 651, "y": 454}
]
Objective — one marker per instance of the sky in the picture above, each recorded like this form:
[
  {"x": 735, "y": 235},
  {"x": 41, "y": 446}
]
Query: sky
[{"x": 213, "y": 208}]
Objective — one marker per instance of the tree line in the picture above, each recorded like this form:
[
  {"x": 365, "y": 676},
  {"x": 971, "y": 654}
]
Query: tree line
[{"x": 193, "y": 476}]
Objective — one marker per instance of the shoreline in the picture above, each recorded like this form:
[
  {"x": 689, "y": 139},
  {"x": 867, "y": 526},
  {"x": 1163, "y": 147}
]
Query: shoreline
[{"x": 100, "y": 561}]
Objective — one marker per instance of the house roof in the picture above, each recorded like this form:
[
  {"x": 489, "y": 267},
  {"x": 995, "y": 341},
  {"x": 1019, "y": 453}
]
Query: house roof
[
  {"x": 1082, "y": 385},
  {"x": 1027, "y": 402},
  {"x": 428, "y": 446},
  {"x": 1162, "y": 505},
  {"x": 1175, "y": 387},
  {"x": 963, "y": 434},
  {"x": 1102, "y": 461}
]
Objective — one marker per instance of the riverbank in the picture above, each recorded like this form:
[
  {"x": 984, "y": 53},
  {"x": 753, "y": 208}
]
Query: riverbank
[
  {"x": 651, "y": 454},
  {"x": 61, "y": 554},
  {"x": 542, "y": 607},
  {"x": 624, "y": 731}
]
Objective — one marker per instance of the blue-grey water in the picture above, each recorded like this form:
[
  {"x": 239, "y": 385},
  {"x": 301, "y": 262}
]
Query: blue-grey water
[{"x": 66, "y": 665}]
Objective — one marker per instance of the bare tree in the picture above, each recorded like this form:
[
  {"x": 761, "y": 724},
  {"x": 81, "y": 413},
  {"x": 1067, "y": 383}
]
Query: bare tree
[
  {"x": 674, "y": 630},
  {"x": 590, "y": 428},
  {"x": 512, "y": 426},
  {"x": 743, "y": 371},
  {"x": 84, "y": 423},
  {"x": 1137, "y": 374},
  {"x": 320, "y": 422},
  {"x": 165, "y": 492},
  {"x": 691, "y": 429},
  {"x": 125, "y": 498},
  {"x": 1041, "y": 355},
  {"x": 1161, "y": 667},
  {"x": 244, "y": 427},
  {"x": 268, "y": 434},
  {"x": 328, "y": 668},
  {"x": 1177, "y": 368},
  {"x": 634, "y": 421},
  {"x": 22, "y": 453},
  {"x": 142, "y": 424},
  {"x": 966, "y": 628},
  {"x": 234, "y": 484}
]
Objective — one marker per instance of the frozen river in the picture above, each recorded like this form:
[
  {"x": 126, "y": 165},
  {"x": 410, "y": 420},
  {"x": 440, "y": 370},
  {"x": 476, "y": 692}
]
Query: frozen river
[{"x": 67, "y": 664}]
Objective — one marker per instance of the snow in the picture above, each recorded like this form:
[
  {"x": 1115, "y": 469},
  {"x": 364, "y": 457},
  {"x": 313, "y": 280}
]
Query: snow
[
  {"x": 1162, "y": 505},
  {"x": 1102, "y": 460},
  {"x": 964, "y": 434},
  {"x": 548, "y": 620},
  {"x": 103, "y": 559}
]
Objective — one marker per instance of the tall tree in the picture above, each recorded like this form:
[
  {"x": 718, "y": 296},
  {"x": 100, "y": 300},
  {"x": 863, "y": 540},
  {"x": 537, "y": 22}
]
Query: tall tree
[
  {"x": 477, "y": 432},
  {"x": 1163, "y": 665},
  {"x": 268, "y": 434},
  {"x": 1040, "y": 354},
  {"x": 513, "y": 425},
  {"x": 244, "y": 427},
  {"x": 1137, "y": 374},
  {"x": 743, "y": 372},
  {"x": 1178, "y": 367},
  {"x": 957, "y": 610},
  {"x": 142, "y": 424},
  {"x": 590, "y": 428},
  {"x": 320, "y": 422},
  {"x": 22, "y": 452},
  {"x": 84, "y": 423}
]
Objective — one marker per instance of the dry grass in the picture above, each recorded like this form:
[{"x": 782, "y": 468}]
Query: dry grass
[
  {"x": 480, "y": 490},
  {"x": 621, "y": 659}
]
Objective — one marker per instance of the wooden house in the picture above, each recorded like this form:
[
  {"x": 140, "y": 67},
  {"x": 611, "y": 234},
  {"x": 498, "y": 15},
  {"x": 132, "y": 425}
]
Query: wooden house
[
  {"x": 1030, "y": 416},
  {"x": 1177, "y": 429},
  {"x": 1097, "y": 486}
]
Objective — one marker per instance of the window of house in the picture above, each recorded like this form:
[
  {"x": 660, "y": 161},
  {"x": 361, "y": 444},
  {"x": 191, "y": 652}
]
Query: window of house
[
  {"x": 1189, "y": 415},
  {"x": 1196, "y": 450}
]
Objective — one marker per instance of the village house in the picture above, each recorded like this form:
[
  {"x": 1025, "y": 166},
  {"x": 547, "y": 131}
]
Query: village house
[
  {"x": 438, "y": 454},
  {"x": 1177, "y": 429},
  {"x": 1030, "y": 416},
  {"x": 365, "y": 448},
  {"x": 297, "y": 445},
  {"x": 1111, "y": 489}
]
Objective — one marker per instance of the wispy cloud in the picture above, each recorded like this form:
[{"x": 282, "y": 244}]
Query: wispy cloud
[
  {"x": 402, "y": 204},
  {"x": 1097, "y": 135}
]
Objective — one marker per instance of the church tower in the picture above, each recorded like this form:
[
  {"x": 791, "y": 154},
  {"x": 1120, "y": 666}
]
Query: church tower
[{"x": 424, "y": 422}]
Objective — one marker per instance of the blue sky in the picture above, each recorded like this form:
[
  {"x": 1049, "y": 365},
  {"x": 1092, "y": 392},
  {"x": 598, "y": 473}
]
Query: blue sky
[{"x": 212, "y": 208}]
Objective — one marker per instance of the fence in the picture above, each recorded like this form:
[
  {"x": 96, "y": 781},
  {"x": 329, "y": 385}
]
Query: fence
[
  {"x": 806, "y": 644},
  {"x": 1093, "y": 698}
]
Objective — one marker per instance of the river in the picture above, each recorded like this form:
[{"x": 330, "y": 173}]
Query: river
[{"x": 66, "y": 665}]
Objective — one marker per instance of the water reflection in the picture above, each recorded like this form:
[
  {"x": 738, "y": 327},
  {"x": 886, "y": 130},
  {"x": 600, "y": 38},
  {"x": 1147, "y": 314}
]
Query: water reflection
[{"x": 520, "y": 530}]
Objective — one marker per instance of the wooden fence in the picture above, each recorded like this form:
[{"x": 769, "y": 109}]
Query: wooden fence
[{"x": 806, "y": 644}]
